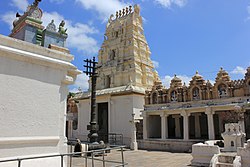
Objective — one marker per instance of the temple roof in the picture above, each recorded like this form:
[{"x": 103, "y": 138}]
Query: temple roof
[
  {"x": 116, "y": 90},
  {"x": 197, "y": 79},
  {"x": 176, "y": 82},
  {"x": 222, "y": 75}
]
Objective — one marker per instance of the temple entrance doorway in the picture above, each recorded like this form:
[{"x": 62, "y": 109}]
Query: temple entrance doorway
[
  {"x": 198, "y": 127},
  {"x": 175, "y": 126},
  {"x": 103, "y": 121}
]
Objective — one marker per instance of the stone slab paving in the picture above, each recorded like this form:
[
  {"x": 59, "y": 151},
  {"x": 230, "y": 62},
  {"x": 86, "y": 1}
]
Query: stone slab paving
[{"x": 141, "y": 158}]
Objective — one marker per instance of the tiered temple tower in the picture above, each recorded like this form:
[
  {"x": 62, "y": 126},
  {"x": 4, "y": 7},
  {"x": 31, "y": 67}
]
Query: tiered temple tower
[
  {"x": 124, "y": 56},
  {"x": 125, "y": 72}
]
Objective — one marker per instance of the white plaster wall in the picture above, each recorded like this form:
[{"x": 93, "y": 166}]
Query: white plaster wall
[
  {"x": 32, "y": 106},
  {"x": 32, "y": 101},
  {"x": 83, "y": 119},
  {"x": 120, "y": 113},
  {"x": 124, "y": 106}
]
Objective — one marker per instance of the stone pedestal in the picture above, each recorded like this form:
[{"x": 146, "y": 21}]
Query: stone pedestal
[{"x": 203, "y": 153}]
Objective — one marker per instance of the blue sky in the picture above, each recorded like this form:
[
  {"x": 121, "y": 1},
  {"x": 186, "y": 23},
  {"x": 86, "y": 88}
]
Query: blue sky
[{"x": 184, "y": 35}]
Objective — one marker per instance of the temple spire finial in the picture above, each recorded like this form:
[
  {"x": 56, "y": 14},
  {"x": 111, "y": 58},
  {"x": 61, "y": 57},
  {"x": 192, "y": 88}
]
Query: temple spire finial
[{"x": 36, "y": 2}]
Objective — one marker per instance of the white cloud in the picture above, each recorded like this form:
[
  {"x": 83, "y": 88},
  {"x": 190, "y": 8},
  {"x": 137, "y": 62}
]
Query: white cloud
[
  {"x": 8, "y": 18},
  {"x": 248, "y": 12},
  {"x": 169, "y": 3},
  {"x": 57, "y": 1},
  {"x": 156, "y": 64},
  {"x": 212, "y": 81},
  {"x": 248, "y": 9},
  {"x": 103, "y": 8},
  {"x": 79, "y": 38},
  {"x": 75, "y": 90},
  {"x": 81, "y": 82},
  {"x": 20, "y": 4},
  {"x": 166, "y": 80},
  {"x": 78, "y": 33},
  {"x": 238, "y": 70}
]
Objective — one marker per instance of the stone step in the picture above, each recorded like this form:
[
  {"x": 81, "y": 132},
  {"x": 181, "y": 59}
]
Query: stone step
[
  {"x": 220, "y": 164},
  {"x": 226, "y": 158}
]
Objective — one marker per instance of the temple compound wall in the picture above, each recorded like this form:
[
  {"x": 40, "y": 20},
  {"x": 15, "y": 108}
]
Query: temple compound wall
[
  {"x": 125, "y": 72},
  {"x": 34, "y": 86},
  {"x": 197, "y": 111}
]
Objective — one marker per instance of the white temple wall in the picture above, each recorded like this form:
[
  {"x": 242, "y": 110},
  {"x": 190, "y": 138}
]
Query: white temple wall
[
  {"x": 33, "y": 100},
  {"x": 119, "y": 113},
  {"x": 83, "y": 119}
]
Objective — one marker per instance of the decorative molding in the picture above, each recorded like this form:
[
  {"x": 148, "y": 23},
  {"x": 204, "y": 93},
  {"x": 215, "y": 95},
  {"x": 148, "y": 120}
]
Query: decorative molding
[{"x": 28, "y": 140}]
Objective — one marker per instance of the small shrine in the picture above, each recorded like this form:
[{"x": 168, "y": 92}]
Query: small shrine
[
  {"x": 28, "y": 27},
  {"x": 233, "y": 137}
]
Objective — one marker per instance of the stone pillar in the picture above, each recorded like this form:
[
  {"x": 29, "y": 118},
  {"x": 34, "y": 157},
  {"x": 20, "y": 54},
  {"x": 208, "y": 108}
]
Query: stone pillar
[
  {"x": 185, "y": 115},
  {"x": 145, "y": 119},
  {"x": 70, "y": 129},
  {"x": 163, "y": 126},
  {"x": 242, "y": 125},
  {"x": 166, "y": 125},
  {"x": 197, "y": 125},
  {"x": 133, "y": 144},
  {"x": 220, "y": 124},
  {"x": 210, "y": 121},
  {"x": 177, "y": 126}
]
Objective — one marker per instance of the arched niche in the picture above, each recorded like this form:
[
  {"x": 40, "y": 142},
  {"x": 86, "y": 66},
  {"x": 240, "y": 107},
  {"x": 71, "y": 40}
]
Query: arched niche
[
  {"x": 174, "y": 96},
  {"x": 222, "y": 90},
  {"x": 154, "y": 98},
  {"x": 196, "y": 93}
]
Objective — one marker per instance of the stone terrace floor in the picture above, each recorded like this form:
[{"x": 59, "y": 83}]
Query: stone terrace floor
[{"x": 141, "y": 158}]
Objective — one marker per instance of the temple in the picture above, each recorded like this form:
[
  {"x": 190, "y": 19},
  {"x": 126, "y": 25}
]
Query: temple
[
  {"x": 128, "y": 84},
  {"x": 125, "y": 72},
  {"x": 197, "y": 111}
]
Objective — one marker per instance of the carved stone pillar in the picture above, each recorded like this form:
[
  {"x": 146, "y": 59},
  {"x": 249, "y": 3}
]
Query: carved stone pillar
[
  {"x": 210, "y": 121},
  {"x": 145, "y": 120},
  {"x": 177, "y": 125},
  {"x": 185, "y": 115},
  {"x": 164, "y": 128}
]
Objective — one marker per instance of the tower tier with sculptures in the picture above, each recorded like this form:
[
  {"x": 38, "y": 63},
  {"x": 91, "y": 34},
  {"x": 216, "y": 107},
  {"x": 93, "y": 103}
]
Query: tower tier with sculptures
[
  {"x": 124, "y": 56},
  {"x": 199, "y": 89}
]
